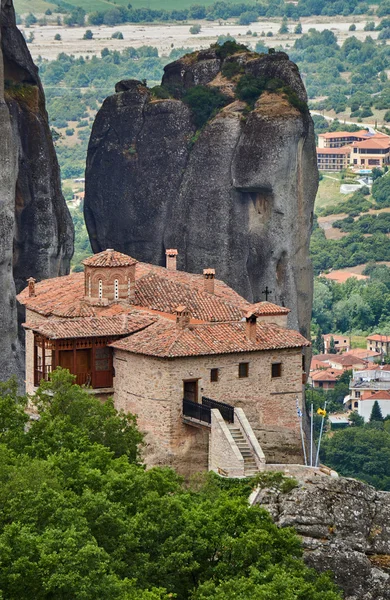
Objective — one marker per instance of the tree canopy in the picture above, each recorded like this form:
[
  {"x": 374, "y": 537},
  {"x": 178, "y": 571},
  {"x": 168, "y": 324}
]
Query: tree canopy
[{"x": 82, "y": 519}]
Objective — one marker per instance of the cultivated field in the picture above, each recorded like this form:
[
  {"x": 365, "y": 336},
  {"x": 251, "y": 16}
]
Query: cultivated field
[{"x": 166, "y": 36}]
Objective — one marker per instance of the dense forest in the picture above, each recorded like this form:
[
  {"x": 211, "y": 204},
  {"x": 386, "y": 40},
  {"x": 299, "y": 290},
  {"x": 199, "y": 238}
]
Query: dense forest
[{"x": 82, "y": 519}]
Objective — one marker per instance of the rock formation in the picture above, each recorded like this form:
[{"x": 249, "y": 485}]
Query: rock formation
[
  {"x": 236, "y": 194},
  {"x": 345, "y": 528},
  {"x": 36, "y": 232}
]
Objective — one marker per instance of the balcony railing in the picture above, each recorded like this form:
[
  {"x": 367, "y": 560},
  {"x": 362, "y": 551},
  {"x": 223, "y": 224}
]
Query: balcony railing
[
  {"x": 202, "y": 412},
  {"x": 226, "y": 410},
  {"x": 196, "y": 411}
]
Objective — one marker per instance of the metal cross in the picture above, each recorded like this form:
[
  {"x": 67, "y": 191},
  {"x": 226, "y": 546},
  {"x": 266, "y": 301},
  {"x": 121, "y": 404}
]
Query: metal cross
[{"x": 267, "y": 293}]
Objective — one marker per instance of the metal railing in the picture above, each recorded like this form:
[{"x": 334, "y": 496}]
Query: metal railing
[
  {"x": 197, "y": 411},
  {"x": 226, "y": 410}
]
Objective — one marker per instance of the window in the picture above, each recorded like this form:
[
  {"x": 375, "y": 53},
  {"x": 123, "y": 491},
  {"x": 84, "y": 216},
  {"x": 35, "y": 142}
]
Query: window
[
  {"x": 89, "y": 287},
  {"x": 100, "y": 288},
  {"x": 276, "y": 370},
  {"x": 243, "y": 370},
  {"x": 128, "y": 288},
  {"x": 116, "y": 290},
  {"x": 214, "y": 374},
  {"x": 356, "y": 404},
  {"x": 357, "y": 394}
]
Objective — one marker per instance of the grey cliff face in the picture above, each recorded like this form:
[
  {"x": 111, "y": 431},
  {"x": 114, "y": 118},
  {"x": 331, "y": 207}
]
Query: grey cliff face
[
  {"x": 345, "y": 528},
  {"x": 237, "y": 196},
  {"x": 35, "y": 226}
]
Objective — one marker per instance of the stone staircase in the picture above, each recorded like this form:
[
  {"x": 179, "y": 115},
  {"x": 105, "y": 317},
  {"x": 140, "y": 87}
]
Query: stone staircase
[{"x": 250, "y": 466}]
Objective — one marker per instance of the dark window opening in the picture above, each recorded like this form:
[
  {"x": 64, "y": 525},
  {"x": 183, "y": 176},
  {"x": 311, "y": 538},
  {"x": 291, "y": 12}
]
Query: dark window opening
[
  {"x": 243, "y": 370},
  {"x": 214, "y": 374},
  {"x": 276, "y": 370}
]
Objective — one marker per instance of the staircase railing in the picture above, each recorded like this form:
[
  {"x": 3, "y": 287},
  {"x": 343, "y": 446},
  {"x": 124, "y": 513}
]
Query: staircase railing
[{"x": 226, "y": 410}]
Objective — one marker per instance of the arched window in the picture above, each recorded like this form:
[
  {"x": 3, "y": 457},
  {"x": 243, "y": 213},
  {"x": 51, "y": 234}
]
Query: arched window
[
  {"x": 116, "y": 289},
  {"x": 128, "y": 288},
  {"x": 100, "y": 288},
  {"x": 89, "y": 287}
]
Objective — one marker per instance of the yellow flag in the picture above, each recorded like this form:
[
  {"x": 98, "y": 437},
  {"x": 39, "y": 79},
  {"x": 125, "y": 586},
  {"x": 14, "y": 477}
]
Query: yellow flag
[{"x": 322, "y": 412}]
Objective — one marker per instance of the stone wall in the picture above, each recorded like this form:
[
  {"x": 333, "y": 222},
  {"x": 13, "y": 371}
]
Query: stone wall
[
  {"x": 153, "y": 389},
  {"x": 224, "y": 455}
]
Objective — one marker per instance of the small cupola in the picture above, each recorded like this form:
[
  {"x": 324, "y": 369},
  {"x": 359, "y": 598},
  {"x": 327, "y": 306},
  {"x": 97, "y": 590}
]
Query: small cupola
[
  {"x": 183, "y": 317},
  {"x": 31, "y": 287},
  {"x": 109, "y": 276},
  {"x": 209, "y": 280},
  {"x": 171, "y": 259},
  {"x": 251, "y": 326}
]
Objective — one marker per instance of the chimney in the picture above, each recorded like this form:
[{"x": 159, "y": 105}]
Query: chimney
[
  {"x": 31, "y": 287},
  {"x": 171, "y": 255},
  {"x": 209, "y": 279},
  {"x": 183, "y": 317},
  {"x": 250, "y": 326}
]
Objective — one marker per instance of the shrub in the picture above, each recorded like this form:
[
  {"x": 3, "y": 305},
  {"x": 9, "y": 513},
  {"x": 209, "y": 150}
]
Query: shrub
[
  {"x": 204, "y": 103},
  {"x": 88, "y": 35},
  {"x": 195, "y": 29},
  {"x": 160, "y": 92},
  {"x": 298, "y": 28},
  {"x": 247, "y": 17},
  {"x": 230, "y": 69},
  {"x": 229, "y": 48},
  {"x": 117, "y": 35},
  {"x": 57, "y": 37},
  {"x": 69, "y": 132},
  {"x": 270, "y": 34},
  {"x": 352, "y": 27},
  {"x": 30, "y": 20}
]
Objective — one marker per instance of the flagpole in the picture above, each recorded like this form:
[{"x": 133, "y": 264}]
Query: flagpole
[
  {"x": 299, "y": 413},
  {"x": 319, "y": 439},
  {"x": 311, "y": 435}
]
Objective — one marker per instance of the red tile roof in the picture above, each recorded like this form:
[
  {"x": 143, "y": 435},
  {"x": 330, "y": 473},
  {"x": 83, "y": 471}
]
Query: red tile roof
[
  {"x": 164, "y": 339},
  {"x": 340, "y": 134},
  {"x": 384, "y": 395},
  {"x": 374, "y": 144},
  {"x": 342, "y": 150},
  {"x": 268, "y": 308},
  {"x": 324, "y": 375},
  {"x": 161, "y": 294},
  {"x": 109, "y": 258},
  {"x": 376, "y": 337},
  {"x": 91, "y": 326}
]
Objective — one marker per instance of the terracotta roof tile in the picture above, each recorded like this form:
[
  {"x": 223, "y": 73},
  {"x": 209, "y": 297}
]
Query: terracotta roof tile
[
  {"x": 109, "y": 258},
  {"x": 376, "y": 337},
  {"x": 161, "y": 294},
  {"x": 164, "y": 339},
  {"x": 324, "y": 375},
  {"x": 384, "y": 395},
  {"x": 157, "y": 288},
  {"x": 91, "y": 326}
]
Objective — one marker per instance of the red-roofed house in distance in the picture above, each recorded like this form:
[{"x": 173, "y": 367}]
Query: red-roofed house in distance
[
  {"x": 324, "y": 378},
  {"x": 213, "y": 379},
  {"x": 342, "y": 343},
  {"x": 379, "y": 343}
]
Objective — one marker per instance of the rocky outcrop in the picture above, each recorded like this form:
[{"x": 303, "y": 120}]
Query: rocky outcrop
[
  {"x": 345, "y": 528},
  {"x": 36, "y": 232},
  {"x": 236, "y": 195}
]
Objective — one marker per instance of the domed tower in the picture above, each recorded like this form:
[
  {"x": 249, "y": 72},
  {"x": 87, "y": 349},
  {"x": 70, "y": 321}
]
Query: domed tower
[{"x": 109, "y": 277}]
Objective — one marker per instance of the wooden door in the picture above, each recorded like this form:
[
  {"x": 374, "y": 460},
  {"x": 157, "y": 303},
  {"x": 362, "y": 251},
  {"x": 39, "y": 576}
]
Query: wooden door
[
  {"x": 190, "y": 390},
  {"x": 66, "y": 360}
]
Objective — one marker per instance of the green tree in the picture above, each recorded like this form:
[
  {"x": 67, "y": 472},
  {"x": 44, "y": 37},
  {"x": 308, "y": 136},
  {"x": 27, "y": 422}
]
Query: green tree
[
  {"x": 284, "y": 26},
  {"x": 30, "y": 20},
  {"x": 82, "y": 519},
  {"x": 360, "y": 452},
  {"x": 195, "y": 29},
  {"x": 376, "y": 413},
  {"x": 57, "y": 37},
  {"x": 332, "y": 347},
  {"x": 298, "y": 28},
  {"x": 204, "y": 103},
  {"x": 88, "y": 35},
  {"x": 355, "y": 419}
]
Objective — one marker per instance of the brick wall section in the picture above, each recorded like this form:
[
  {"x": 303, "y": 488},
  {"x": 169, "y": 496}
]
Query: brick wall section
[{"x": 153, "y": 389}]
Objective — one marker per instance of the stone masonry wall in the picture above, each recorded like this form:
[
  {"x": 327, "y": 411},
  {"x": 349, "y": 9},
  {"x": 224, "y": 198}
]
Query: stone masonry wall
[{"x": 153, "y": 389}]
